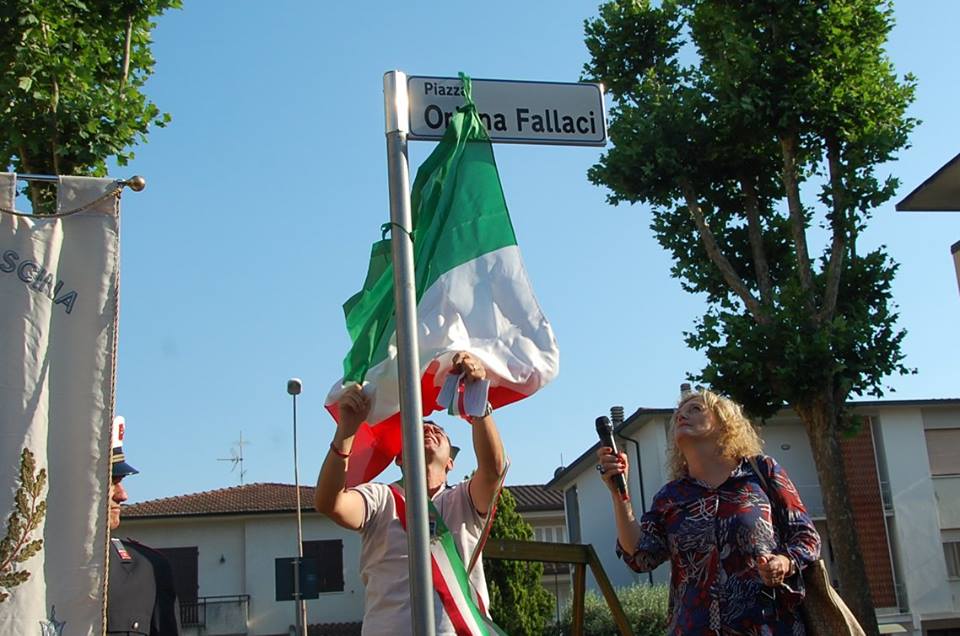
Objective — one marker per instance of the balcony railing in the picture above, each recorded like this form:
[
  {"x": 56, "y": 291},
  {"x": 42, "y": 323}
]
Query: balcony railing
[
  {"x": 190, "y": 615},
  {"x": 217, "y": 614},
  {"x": 886, "y": 494},
  {"x": 901, "y": 592}
]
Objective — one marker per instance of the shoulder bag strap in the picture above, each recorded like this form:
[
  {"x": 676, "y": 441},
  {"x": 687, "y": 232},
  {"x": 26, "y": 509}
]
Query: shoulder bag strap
[{"x": 776, "y": 505}]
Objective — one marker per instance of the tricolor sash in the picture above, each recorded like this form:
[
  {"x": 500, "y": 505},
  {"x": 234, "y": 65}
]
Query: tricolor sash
[{"x": 451, "y": 579}]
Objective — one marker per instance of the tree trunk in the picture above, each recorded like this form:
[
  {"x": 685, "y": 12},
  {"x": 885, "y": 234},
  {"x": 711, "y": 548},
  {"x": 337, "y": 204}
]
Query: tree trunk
[
  {"x": 820, "y": 418},
  {"x": 798, "y": 223},
  {"x": 751, "y": 208}
]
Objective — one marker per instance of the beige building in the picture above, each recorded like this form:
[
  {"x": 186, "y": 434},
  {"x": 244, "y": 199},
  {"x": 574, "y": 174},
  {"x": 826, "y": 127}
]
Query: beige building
[
  {"x": 227, "y": 547},
  {"x": 231, "y": 551},
  {"x": 542, "y": 508},
  {"x": 903, "y": 469}
]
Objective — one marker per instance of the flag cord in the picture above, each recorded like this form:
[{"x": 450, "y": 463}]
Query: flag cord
[
  {"x": 388, "y": 227},
  {"x": 118, "y": 187}
]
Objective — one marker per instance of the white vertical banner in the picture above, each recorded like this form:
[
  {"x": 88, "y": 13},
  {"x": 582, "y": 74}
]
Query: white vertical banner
[{"x": 59, "y": 286}]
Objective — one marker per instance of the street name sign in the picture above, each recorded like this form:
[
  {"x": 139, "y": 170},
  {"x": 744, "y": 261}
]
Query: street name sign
[{"x": 557, "y": 113}]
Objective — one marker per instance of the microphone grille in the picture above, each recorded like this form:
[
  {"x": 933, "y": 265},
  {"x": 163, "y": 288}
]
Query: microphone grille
[{"x": 603, "y": 424}]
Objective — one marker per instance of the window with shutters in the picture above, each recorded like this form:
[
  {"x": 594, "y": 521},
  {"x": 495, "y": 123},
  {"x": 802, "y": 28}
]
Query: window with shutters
[
  {"x": 943, "y": 450},
  {"x": 321, "y": 571},
  {"x": 328, "y": 555},
  {"x": 951, "y": 552},
  {"x": 550, "y": 534},
  {"x": 183, "y": 562}
]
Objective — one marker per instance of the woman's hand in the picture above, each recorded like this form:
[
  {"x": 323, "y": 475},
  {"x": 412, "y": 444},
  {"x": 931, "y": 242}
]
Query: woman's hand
[
  {"x": 609, "y": 465},
  {"x": 774, "y": 568}
]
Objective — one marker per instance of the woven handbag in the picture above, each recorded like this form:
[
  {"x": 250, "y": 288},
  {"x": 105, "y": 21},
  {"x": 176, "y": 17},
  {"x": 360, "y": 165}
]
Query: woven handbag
[{"x": 823, "y": 611}]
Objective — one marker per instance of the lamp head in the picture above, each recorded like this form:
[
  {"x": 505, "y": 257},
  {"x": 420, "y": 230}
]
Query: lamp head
[{"x": 294, "y": 386}]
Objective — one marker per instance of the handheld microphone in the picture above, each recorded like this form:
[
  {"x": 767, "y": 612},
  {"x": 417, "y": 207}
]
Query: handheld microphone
[{"x": 605, "y": 432}]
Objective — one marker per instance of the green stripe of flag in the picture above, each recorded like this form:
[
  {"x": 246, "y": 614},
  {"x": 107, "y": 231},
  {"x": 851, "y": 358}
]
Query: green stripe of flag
[{"x": 459, "y": 214}]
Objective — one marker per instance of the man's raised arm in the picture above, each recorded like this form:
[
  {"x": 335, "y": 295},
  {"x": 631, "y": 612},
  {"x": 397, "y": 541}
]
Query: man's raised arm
[
  {"x": 487, "y": 445},
  {"x": 343, "y": 506}
]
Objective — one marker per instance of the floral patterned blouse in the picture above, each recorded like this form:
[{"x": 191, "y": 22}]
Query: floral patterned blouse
[{"x": 713, "y": 537}]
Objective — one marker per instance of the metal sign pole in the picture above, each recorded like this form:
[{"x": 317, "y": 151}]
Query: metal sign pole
[{"x": 405, "y": 299}]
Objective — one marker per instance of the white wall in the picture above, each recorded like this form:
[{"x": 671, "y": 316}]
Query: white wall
[
  {"x": 250, "y": 545},
  {"x": 213, "y": 537},
  {"x": 597, "y": 528},
  {"x": 796, "y": 459},
  {"x": 652, "y": 439},
  {"x": 917, "y": 526},
  {"x": 947, "y": 490},
  {"x": 597, "y": 525},
  {"x": 275, "y": 617}
]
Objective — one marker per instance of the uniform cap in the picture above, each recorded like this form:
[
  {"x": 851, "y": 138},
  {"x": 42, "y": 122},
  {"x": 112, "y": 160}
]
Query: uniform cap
[{"x": 118, "y": 461}]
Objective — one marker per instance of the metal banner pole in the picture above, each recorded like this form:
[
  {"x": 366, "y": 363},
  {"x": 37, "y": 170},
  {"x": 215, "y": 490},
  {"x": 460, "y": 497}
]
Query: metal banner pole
[{"x": 404, "y": 293}]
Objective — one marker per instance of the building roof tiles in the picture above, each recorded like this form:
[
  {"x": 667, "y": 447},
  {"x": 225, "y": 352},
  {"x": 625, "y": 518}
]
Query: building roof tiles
[{"x": 266, "y": 498}]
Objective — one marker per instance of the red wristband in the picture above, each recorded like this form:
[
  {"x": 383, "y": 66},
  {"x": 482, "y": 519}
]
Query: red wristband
[{"x": 338, "y": 452}]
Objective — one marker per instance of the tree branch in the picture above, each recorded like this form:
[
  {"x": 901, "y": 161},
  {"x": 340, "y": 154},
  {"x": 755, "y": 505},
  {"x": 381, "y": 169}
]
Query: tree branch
[
  {"x": 788, "y": 146},
  {"x": 837, "y": 247},
  {"x": 54, "y": 105},
  {"x": 126, "y": 54},
  {"x": 55, "y": 126},
  {"x": 33, "y": 187},
  {"x": 751, "y": 206},
  {"x": 717, "y": 258}
]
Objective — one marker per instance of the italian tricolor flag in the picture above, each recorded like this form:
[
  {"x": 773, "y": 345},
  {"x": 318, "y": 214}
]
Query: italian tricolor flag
[{"x": 473, "y": 295}]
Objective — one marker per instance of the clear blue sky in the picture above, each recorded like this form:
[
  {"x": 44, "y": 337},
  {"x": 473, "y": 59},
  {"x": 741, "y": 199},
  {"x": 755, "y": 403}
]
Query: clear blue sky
[{"x": 269, "y": 186}]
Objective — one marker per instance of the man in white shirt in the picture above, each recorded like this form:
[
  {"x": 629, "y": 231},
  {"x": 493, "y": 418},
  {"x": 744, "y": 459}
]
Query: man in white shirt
[{"x": 371, "y": 509}]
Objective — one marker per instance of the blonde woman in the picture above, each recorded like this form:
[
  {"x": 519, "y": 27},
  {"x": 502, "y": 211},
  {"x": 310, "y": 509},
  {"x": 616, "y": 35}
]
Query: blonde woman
[{"x": 734, "y": 570}]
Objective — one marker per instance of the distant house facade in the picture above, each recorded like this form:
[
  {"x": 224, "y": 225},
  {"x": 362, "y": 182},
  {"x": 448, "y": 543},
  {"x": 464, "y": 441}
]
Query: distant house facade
[
  {"x": 542, "y": 508},
  {"x": 903, "y": 470},
  {"x": 226, "y": 547},
  {"x": 231, "y": 551}
]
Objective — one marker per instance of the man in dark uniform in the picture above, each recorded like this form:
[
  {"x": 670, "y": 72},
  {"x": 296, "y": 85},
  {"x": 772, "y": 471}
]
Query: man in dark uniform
[{"x": 140, "y": 596}]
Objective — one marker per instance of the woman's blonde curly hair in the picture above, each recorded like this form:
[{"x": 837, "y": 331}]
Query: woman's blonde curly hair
[{"x": 737, "y": 436}]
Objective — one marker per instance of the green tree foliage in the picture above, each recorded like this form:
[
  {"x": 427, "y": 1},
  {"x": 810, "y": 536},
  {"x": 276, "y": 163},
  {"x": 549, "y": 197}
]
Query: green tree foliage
[
  {"x": 518, "y": 601},
  {"x": 754, "y": 129},
  {"x": 72, "y": 80},
  {"x": 644, "y": 605}
]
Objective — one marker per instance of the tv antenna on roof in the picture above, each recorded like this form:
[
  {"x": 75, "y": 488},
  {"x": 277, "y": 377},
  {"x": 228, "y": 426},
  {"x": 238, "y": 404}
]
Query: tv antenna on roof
[{"x": 236, "y": 457}]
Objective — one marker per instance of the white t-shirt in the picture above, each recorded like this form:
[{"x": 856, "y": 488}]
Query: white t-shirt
[{"x": 383, "y": 557}]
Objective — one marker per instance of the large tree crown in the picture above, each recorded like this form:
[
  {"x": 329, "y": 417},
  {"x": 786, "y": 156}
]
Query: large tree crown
[
  {"x": 72, "y": 84},
  {"x": 751, "y": 128}
]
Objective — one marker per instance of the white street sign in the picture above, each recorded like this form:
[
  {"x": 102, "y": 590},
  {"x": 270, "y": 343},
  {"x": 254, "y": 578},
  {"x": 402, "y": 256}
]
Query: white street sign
[{"x": 568, "y": 114}]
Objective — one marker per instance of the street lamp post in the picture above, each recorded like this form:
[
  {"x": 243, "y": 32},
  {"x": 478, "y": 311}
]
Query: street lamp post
[{"x": 294, "y": 387}]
